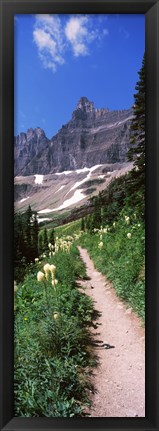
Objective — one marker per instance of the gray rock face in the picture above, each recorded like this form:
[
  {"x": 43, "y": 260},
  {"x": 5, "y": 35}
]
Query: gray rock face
[
  {"x": 29, "y": 151},
  {"x": 91, "y": 137}
]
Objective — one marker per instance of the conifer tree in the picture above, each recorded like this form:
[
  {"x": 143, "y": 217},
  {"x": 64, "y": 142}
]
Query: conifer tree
[
  {"x": 52, "y": 237},
  {"x": 45, "y": 241},
  {"x": 136, "y": 187},
  {"x": 96, "y": 220},
  {"x": 35, "y": 236},
  {"x": 28, "y": 228},
  {"x": 40, "y": 244}
]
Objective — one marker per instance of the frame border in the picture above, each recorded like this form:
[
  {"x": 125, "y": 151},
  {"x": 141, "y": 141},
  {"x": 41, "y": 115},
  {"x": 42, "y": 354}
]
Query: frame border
[{"x": 7, "y": 10}]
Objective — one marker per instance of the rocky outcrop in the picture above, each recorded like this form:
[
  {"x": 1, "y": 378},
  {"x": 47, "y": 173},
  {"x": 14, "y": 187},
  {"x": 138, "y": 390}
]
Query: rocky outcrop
[
  {"x": 29, "y": 152},
  {"x": 91, "y": 137}
]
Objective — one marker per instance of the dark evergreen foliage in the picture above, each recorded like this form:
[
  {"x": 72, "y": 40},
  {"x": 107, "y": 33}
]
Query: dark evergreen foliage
[
  {"x": 25, "y": 241},
  {"x": 45, "y": 242},
  {"x": 52, "y": 237},
  {"x": 136, "y": 184}
]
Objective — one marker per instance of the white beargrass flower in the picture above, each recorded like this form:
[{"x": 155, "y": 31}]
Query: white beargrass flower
[
  {"x": 100, "y": 245},
  {"x": 105, "y": 230},
  {"x": 40, "y": 276},
  {"x": 54, "y": 282},
  {"x": 56, "y": 248},
  {"x": 52, "y": 269},
  {"x": 36, "y": 259},
  {"x": 46, "y": 268},
  {"x": 55, "y": 315},
  {"x": 128, "y": 235},
  {"x": 127, "y": 219}
]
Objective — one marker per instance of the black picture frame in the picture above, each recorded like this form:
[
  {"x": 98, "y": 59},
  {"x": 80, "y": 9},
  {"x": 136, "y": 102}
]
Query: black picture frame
[{"x": 7, "y": 10}]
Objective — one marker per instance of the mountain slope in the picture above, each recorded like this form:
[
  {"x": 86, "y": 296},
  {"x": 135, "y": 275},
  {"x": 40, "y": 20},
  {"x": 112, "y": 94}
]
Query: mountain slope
[
  {"x": 58, "y": 193},
  {"x": 91, "y": 137}
]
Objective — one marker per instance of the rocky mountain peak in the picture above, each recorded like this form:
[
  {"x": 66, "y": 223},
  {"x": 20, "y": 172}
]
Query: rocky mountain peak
[
  {"x": 35, "y": 133},
  {"x": 85, "y": 105},
  {"x": 40, "y": 132},
  {"x": 91, "y": 137}
]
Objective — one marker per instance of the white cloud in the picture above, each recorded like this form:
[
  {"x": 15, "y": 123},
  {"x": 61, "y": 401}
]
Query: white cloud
[
  {"x": 48, "y": 37},
  {"x": 54, "y": 36},
  {"x": 77, "y": 34}
]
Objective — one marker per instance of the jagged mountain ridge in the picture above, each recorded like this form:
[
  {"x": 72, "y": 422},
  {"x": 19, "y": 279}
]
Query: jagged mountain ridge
[{"x": 91, "y": 137}]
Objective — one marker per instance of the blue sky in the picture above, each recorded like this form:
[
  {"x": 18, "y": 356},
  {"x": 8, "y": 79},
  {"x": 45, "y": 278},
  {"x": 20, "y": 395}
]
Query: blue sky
[{"x": 59, "y": 58}]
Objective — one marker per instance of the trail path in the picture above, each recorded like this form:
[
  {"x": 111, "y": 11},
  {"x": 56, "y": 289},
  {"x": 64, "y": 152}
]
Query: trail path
[{"x": 119, "y": 379}]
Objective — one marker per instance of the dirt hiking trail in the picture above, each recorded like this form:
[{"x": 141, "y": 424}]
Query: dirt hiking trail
[{"x": 119, "y": 378}]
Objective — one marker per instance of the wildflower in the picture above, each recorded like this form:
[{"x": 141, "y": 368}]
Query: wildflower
[
  {"x": 46, "y": 268},
  {"x": 129, "y": 235},
  {"x": 127, "y": 219},
  {"x": 114, "y": 224},
  {"x": 101, "y": 237},
  {"x": 52, "y": 270},
  {"x": 54, "y": 282},
  {"x": 139, "y": 224},
  {"x": 100, "y": 245},
  {"x": 44, "y": 255},
  {"x": 55, "y": 315},
  {"x": 40, "y": 276},
  {"x": 25, "y": 318},
  {"x": 49, "y": 245},
  {"x": 105, "y": 230},
  {"x": 36, "y": 259}
]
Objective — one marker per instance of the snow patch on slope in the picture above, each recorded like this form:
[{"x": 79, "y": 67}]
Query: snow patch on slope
[
  {"x": 77, "y": 196},
  {"x": 59, "y": 189},
  {"x": 39, "y": 179},
  {"x": 89, "y": 170},
  {"x": 40, "y": 220},
  {"x": 64, "y": 173},
  {"x": 24, "y": 199},
  {"x": 79, "y": 171}
]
